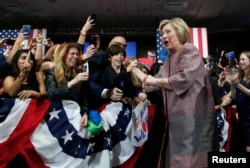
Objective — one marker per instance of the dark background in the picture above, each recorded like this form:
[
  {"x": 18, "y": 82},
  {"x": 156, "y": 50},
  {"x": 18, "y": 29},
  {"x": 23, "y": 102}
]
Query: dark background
[{"x": 237, "y": 41}]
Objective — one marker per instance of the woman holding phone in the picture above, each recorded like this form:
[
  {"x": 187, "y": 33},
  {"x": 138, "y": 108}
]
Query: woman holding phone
[
  {"x": 22, "y": 80},
  {"x": 66, "y": 81}
]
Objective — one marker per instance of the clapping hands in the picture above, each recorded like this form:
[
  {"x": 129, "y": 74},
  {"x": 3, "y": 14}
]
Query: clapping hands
[{"x": 232, "y": 78}]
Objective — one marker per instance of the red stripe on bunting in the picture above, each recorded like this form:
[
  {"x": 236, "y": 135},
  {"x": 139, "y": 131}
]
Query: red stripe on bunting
[
  {"x": 32, "y": 158},
  {"x": 32, "y": 116}
]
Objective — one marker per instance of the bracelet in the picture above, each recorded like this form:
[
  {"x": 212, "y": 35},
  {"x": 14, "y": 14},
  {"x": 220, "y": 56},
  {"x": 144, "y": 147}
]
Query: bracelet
[
  {"x": 35, "y": 95},
  {"x": 39, "y": 45},
  {"x": 18, "y": 43},
  {"x": 82, "y": 58},
  {"x": 129, "y": 69},
  {"x": 82, "y": 34},
  {"x": 144, "y": 83},
  {"x": 162, "y": 84},
  {"x": 144, "y": 79}
]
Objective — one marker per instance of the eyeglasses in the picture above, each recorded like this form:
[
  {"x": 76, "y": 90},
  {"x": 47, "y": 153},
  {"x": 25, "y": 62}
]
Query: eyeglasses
[{"x": 119, "y": 43}]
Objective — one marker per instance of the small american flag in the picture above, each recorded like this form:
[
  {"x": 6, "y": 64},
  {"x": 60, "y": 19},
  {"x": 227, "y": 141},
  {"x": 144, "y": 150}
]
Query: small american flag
[
  {"x": 13, "y": 33},
  {"x": 198, "y": 38}
]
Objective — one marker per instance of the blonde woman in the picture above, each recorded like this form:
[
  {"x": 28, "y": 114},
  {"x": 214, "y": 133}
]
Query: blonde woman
[
  {"x": 187, "y": 96},
  {"x": 66, "y": 81}
]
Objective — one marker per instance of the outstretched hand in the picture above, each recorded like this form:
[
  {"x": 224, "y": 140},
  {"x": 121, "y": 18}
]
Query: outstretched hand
[
  {"x": 91, "y": 50},
  {"x": 3, "y": 41},
  {"x": 87, "y": 26},
  {"x": 83, "y": 76},
  {"x": 84, "y": 120},
  {"x": 132, "y": 64},
  {"x": 150, "y": 80}
]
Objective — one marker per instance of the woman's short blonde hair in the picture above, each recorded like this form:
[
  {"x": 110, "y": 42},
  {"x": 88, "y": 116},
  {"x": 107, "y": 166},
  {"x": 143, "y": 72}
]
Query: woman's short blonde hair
[{"x": 180, "y": 26}]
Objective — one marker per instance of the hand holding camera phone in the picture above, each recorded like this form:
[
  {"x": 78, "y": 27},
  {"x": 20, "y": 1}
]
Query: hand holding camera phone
[
  {"x": 93, "y": 17},
  {"x": 26, "y": 30}
]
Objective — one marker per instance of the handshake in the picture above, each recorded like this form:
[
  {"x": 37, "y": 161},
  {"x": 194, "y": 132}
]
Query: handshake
[{"x": 114, "y": 94}]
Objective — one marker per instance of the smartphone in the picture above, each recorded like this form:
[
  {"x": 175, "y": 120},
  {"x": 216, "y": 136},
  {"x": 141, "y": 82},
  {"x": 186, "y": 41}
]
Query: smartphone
[
  {"x": 28, "y": 57},
  {"x": 86, "y": 67},
  {"x": 93, "y": 40},
  {"x": 233, "y": 71},
  {"x": 10, "y": 42},
  {"x": 26, "y": 29},
  {"x": 45, "y": 41},
  {"x": 93, "y": 17}
]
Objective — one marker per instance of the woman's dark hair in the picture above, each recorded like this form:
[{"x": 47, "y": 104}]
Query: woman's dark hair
[
  {"x": 155, "y": 68},
  {"x": 115, "y": 49},
  {"x": 224, "y": 61},
  {"x": 215, "y": 71},
  {"x": 14, "y": 70},
  {"x": 145, "y": 67}
]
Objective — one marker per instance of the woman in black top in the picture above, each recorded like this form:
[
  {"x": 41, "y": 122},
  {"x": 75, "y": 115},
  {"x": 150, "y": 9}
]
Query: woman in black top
[
  {"x": 66, "y": 81},
  {"x": 23, "y": 81}
]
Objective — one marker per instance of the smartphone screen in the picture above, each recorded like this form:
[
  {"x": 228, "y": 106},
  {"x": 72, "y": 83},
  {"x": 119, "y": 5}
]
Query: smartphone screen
[
  {"x": 93, "y": 17},
  {"x": 86, "y": 67},
  {"x": 26, "y": 29},
  {"x": 93, "y": 40}
]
